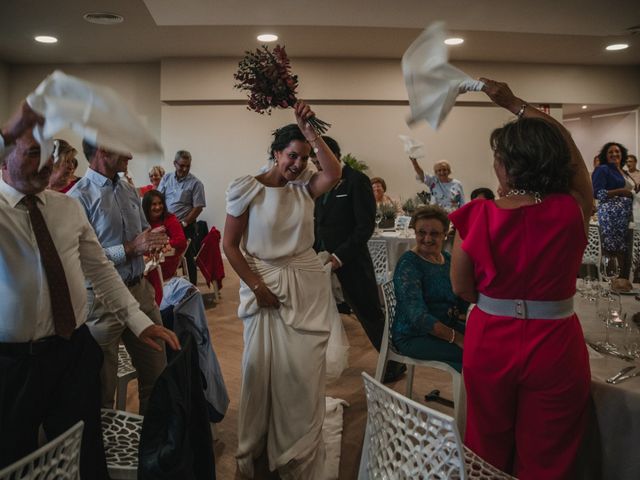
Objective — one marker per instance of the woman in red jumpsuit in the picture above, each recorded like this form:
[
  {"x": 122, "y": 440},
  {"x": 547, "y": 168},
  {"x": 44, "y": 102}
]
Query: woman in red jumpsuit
[{"x": 525, "y": 363}]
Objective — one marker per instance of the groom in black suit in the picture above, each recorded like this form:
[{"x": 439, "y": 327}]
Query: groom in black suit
[{"x": 344, "y": 222}]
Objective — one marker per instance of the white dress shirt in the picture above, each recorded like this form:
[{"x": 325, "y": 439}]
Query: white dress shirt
[{"x": 25, "y": 305}]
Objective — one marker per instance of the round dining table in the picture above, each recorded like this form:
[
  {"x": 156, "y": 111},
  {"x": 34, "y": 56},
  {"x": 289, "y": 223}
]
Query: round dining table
[{"x": 609, "y": 450}]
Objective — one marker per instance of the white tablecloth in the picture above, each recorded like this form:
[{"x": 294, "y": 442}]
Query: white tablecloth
[
  {"x": 396, "y": 245},
  {"x": 614, "y": 442}
]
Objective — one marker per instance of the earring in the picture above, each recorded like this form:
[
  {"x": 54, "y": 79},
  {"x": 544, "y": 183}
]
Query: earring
[{"x": 275, "y": 162}]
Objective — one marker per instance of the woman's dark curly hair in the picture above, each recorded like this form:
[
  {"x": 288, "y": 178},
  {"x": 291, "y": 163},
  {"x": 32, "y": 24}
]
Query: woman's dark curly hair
[
  {"x": 535, "y": 155},
  {"x": 429, "y": 212},
  {"x": 146, "y": 204},
  {"x": 283, "y": 136},
  {"x": 624, "y": 153}
]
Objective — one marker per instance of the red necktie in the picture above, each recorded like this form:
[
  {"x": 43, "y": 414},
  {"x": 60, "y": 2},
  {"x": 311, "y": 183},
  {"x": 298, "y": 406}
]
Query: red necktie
[{"x": 64, "y": 321}]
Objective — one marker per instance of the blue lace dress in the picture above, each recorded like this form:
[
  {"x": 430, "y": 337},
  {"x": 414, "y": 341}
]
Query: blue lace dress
[
  {"x": 424, "y": 296},
  {"x": 614, "y": 214}
]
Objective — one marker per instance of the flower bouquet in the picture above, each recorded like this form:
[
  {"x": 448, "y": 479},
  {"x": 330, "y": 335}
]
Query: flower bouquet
[{"x": 266, "y": 76}]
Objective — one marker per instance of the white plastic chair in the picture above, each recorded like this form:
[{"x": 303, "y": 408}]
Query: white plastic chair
[
  {"x": 59, "y": 459},
  {"x": 593, "y": 251},
  {"x": 121, "y": 436},
  {"x": 388, "y": 352},
  {"x": 407, "y": 440},
  {"x": 380, "y": 258},
  {"x": 126, "y": 373}
]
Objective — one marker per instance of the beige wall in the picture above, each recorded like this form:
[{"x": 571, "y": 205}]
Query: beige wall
[
  {"x": 227, "y": 140},
  {"x": 4, "y": 92}
]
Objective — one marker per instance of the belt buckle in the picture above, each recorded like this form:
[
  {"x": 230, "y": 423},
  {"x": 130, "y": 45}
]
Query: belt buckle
[{"x": 521, "y": 309}]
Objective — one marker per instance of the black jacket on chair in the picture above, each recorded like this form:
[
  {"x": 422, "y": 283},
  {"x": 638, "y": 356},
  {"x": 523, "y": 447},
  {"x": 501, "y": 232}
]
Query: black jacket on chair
[
  {"x": 344, "y": 222},
  {"x": 175, "y": 442}
]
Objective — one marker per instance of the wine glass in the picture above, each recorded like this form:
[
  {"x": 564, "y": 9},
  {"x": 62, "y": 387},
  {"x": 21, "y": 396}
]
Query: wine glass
[
  {"x": 378, "y": 220},
  {"x": 609, "y": 268}
]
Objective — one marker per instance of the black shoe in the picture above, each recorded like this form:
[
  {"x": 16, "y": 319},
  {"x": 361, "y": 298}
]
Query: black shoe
[
  {"x": 344, "y": 308},
  {"x": 394, "y": 372},
  {"x": 434, "y": 396}
]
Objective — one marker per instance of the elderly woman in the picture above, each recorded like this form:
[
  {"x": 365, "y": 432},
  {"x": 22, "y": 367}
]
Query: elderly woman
[
  {"x": 429, "y": 322},
  {"x": 526, "y": 367},
  {"x": 286, "y": 303},
  {"x": 62, "y": 177},
  {"x": 614, "y": 193},
  {"x": 155, "y": 175},
  {"x": 446, "y": 192},
  {"x": 379, "y": 187}
]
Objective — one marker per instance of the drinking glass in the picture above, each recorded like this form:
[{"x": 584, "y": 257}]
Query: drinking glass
[
  {"x": 378, "y": 220},
  {"x": 609, "y": 268}
]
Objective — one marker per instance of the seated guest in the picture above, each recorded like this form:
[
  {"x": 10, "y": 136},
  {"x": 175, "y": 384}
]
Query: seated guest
[
  {"x": 62, "y": 176},
  {"x": 446, "y": 192},
  {"x": 483, "y": 193},
  {"x": 155, "y": 175},
  {"x": 379, "y": 187},
  {"x": 155, "y": 210},
  {"x": 429, "y": 321}
]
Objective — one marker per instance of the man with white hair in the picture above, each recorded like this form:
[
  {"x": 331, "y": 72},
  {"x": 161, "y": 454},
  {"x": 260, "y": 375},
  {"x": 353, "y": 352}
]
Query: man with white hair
[{"x": 49, "y": 362}]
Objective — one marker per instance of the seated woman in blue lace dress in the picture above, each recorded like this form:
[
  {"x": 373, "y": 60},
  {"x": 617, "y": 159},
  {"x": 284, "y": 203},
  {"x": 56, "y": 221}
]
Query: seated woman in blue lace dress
[{"x": 429, "y": 321}]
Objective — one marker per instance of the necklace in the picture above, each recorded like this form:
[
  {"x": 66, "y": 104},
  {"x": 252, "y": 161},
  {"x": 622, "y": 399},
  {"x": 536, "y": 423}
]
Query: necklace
[
  {"x": 537, "y": 198},
  {"x": 440, "y": 260}
]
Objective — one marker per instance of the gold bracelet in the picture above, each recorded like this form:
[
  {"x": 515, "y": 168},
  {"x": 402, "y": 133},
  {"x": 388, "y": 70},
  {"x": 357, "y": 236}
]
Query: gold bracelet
[{"x": 453, "y": 336}]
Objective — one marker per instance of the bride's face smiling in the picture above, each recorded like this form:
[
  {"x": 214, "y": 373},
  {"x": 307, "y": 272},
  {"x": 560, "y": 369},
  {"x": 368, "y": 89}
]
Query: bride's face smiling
[{"x": 292, "y": 161}]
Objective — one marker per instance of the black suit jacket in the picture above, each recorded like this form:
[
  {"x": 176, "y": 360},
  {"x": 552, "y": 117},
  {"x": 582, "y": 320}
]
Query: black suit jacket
[{"x": 345, "y": 220}]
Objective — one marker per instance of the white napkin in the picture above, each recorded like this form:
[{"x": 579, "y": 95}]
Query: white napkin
[
  {"x": 412, "y": 147},
  {"x": 432, "y": 84},
  {"x": 95, "y": 112}
]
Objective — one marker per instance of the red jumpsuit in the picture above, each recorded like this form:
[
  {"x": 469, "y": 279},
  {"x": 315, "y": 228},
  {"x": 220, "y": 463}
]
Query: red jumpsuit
[{"x": 527, "y": 380}]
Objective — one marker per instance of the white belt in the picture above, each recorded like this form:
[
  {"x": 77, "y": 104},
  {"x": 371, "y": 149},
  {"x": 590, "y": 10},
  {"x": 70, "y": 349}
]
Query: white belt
[{"x": 539, "y": 309}]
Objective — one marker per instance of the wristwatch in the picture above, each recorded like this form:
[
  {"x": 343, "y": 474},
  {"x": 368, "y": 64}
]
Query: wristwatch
[{"x": 183, "y": 223}]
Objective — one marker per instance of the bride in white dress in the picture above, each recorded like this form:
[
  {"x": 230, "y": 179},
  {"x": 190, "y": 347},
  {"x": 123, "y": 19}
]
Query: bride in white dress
[{"x": 285, "y": 303}]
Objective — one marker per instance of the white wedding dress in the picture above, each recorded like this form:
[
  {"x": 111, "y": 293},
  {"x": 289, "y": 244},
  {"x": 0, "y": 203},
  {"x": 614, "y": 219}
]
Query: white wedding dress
[{"x": 282, "y": 401}]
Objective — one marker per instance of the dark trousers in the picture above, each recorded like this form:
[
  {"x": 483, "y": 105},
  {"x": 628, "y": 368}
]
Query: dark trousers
[
  {"x": 55, "y": 386},
  {"x": 360, "y": 291},
  {"x": 191, "y": 252}
]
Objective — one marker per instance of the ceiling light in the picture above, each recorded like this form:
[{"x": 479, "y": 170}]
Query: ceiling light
[
  {"x": 267, "y": 37},
  {"x": 617, "y": 46},
  {"x": 454, "y": 41},
  {"x": 45, "y": 39},
  {"x": 584, "y": 107}
]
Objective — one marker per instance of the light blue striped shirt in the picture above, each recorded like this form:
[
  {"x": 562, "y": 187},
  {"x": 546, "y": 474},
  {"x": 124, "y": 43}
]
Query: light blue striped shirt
[
  {"x": 182, "y": 195},
  {"x": 114, "y": 211}
]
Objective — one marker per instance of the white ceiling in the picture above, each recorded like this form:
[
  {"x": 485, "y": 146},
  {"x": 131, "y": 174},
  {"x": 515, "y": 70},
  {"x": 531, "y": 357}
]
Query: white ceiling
[{"x": 541, "y": 31}]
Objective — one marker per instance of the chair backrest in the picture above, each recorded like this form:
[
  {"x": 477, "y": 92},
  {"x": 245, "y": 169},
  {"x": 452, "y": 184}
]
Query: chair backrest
[
  {"x": 183, "y": 260},
  {"x": 378, "y": 252},
  {"x": 408, "y": 440},
  {"x": 389, "y": 297},
  {"x": 592, "y": 253},
  {"x": 635, "y": 253},
  {"x": 59, "y": 459}
]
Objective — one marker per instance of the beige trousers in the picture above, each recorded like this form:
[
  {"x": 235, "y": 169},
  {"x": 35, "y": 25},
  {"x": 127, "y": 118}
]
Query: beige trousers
[{"x": 109, "y": 331}]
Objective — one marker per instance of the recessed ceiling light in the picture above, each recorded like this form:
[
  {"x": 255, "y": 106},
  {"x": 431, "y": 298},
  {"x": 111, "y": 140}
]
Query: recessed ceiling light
[
  {"x": 267, "y": 37},
  {"x": 584, "y": 107},
  {"x": 45, "y": 39},
  {"x": 617, "y": 46},
  {"x": 454, "y": 41}
]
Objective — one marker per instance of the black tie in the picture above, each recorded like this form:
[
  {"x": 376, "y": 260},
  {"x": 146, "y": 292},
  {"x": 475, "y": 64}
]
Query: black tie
[{"x": 64, "y": 320}]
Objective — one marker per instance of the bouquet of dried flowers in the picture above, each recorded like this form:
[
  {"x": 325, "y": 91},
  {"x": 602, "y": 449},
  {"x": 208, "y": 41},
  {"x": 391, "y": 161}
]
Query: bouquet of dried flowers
[{"x": 266, "y": 76}]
